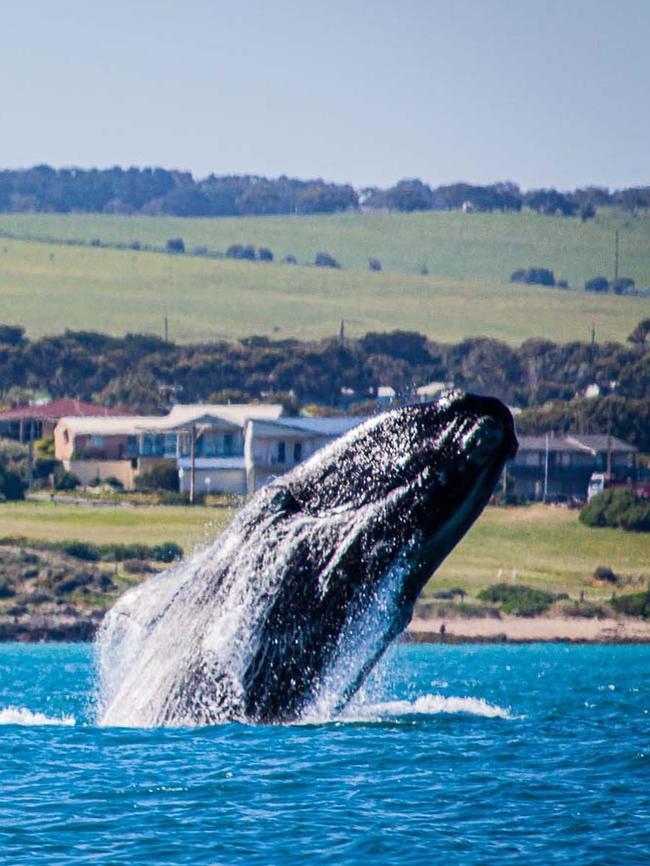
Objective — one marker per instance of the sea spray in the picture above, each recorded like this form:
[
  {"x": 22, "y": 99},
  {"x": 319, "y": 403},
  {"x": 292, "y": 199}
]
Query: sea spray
[{"x": 284, "y": 616}]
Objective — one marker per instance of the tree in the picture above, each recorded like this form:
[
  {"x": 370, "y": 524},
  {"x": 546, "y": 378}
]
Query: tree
[
  {"x": 175, "y": 245},
  {"x": 409, "y": 195},
  {"x": 325, "y": 260}
]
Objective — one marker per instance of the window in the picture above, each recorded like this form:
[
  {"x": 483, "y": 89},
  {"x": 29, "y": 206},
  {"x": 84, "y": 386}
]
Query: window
[
  {"x": 96, "y": 441},
  {"x": 297, "y": 452},
  {"x": 282, "y": 452}
]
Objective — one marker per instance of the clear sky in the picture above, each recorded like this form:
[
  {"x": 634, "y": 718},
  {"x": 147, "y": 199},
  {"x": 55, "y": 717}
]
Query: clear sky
[{"x": 543, "y": 92}]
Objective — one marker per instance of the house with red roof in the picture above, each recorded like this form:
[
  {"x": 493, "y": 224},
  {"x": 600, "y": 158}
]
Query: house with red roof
[{"x": 40, "y": 419}]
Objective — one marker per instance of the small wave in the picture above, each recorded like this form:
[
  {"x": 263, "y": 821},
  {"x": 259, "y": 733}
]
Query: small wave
[
  {"x": 426, "y": 705},
  {"x": 23, "y": 716}
]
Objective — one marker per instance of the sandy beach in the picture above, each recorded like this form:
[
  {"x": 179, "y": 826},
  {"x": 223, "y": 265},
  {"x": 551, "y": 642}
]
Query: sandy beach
[{"x": 517, "y": 629}]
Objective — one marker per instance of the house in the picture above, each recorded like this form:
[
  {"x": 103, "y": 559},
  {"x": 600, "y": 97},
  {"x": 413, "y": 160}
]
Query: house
[
  {"x": 205, "y": 441},
  {"x": 39, "y": 419},
  {"x": 273, "y": 447},
  {"x": 210, "y": 443},
  {"x": 559, "y": 467}
]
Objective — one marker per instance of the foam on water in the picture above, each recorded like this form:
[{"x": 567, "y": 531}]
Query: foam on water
[
  {"x": 426, "y": 705},
  {"x": 23, "y": 716}
]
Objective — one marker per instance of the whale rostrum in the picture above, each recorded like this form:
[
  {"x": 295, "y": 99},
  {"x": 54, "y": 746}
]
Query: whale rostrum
[{"x": 285, "y": 614}]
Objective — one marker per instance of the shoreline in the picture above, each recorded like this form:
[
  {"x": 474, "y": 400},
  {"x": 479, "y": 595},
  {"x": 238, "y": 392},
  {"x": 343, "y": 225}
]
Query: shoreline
[
  {"x": 504, "y": 630},
  {"x": 525, "y": 630}
]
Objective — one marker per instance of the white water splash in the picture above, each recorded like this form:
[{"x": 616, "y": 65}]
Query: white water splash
[
  {"x": 23, "y": 716},
  {"x": 426, "y": 705}
]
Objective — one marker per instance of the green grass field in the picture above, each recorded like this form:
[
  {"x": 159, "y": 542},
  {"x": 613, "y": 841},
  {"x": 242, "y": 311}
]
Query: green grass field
[
  {"x": 483, "y": 247},
  {"x": 188, "y": 527},
  {"x": 542, "y": 546},
  {"x": 48, "y": 288}
]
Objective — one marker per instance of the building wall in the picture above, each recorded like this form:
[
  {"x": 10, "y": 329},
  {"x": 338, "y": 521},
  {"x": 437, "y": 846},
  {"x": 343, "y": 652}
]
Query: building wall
[
  {"x": 221, "y": 481},
  {"x": 89, "y": 470},
  {"x": 66, "y": 443}
]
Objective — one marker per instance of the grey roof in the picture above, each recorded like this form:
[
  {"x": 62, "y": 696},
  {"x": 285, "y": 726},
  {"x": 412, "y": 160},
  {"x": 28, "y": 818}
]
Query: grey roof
[
  {"x": 599, "y": 442},
  {"x": 582, "y": 444},
  {"x": 331, "y": 427}
]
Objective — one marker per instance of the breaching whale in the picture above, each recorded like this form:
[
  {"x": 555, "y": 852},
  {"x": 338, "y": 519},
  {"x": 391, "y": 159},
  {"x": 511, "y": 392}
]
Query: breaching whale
[{"x": 289, "y": 609}]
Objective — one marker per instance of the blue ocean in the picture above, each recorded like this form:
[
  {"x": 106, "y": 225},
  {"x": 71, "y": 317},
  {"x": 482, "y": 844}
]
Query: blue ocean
[{"x": 453, "y": 754}]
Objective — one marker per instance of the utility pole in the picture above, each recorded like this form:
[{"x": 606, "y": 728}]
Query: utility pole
[
  {"x": 30, "y": 457},
  {"x": 616, "y": 254},
  {"x": 166, "y": 329},
  {"x": 192, "y": 462},
  {"x": 546, "y": 450}
]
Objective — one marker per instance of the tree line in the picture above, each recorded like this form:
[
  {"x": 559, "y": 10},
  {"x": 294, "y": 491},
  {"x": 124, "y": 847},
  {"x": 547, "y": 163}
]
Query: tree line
[
  {"x": 145, "y": 374},
  {"x": 158, "y": 191}
]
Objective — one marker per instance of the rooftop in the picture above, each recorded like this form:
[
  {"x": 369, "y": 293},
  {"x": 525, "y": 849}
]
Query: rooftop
[
  {"x": 55, "y": 409},
  {"x": 323, "y": 426}
]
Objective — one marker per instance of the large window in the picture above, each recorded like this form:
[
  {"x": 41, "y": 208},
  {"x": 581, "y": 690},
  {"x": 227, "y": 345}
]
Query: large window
[
  {"x": 281, "y": 452},
  {"x": 297, "y": 452}
]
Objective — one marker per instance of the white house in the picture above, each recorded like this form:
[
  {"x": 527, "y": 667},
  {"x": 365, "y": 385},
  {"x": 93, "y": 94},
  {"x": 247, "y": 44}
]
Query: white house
[{"x": 273, "y": 447}]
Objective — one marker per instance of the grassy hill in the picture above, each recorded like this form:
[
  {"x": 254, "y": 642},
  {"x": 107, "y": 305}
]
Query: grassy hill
[
  {"x": 462, "y": 246},
  {"x": 50, "y": 287}
]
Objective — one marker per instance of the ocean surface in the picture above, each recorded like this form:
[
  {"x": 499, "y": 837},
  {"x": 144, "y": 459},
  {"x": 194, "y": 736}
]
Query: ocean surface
[{"x": 453, "y": 754}]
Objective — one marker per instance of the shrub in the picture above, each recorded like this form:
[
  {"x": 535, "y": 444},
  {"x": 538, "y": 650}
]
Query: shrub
[
  {"x": 374, "y": 264},
  {"x": 64, "y": 480},
  {"x": 290, "y": 260},
  {"x": 11, "y": 485},
  {"x": 6, "y": 590},
  {"x": 79, "y": 549},
  {"x": 521, "y": 600},
  {"x": 623, "y": 286},
  {"x": 597, "y": 284},
  {"x": 604, "y": 572},
  {"x": 175, "y": 245},
  {"x": 265, "y": 254},
  {"x": 533, "y": 276},
  {"x": 168, "y": 551},
  {"x": 633, "y": 604},
  {"x": 325, "y": 260},
  {"x": 585, "y": 609},
  {"x": 239, "y": 251},
  {"x": 114, "y": 482},
  {"x": 618, "y": 506},
  {"x": 162, "y": 476}
]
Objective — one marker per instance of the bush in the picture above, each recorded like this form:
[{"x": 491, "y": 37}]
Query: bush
[
  {"x": 64, "y": 480},
  {"x": 374, "y": 264},
  {"x": 265, "y": 254},
  {"x": 163, "y": 476},
  {"x": 585, "y": 609},
  {"x": 617, "y": 507},
  {"x": 239, "y": 251},
  {"x": 633, "y": 604},
  {"x": 325, "y": 260},
  {"x": 290, "y": 260},
  {"x": 114, "y": 482},
  {"x": 79, "y": 549},
  {"x": 11, "y": 485},
  {"x": 175, "y": 245},
  {"x": 168, "y": 551},
  {"x": 604, "y": 572},
  {"x": 597, "y": 284},
  {"x": 623, "y": 286},
  {"x": 521, "y": 600},
  {"x": 6, "y": 590},
  {"x": 533, "y": 276}
]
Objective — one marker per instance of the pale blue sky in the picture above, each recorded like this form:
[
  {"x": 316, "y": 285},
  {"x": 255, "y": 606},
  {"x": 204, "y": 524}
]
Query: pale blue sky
[{"x": 544, "y": 92}]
